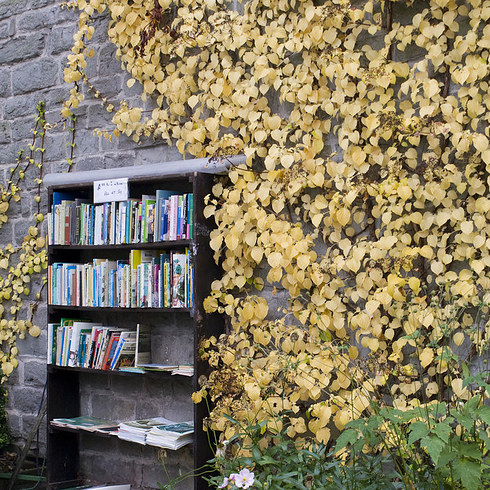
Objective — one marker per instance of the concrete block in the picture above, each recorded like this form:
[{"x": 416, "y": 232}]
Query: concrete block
[
  {"x": 21, "y": 48},
  {"x": 34, "y": 75},
  {"x": 113, "y": 407}
]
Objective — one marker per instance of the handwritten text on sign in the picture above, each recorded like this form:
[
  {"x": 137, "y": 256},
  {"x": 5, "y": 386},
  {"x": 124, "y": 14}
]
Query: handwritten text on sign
[{"x": 110, "y": 190}]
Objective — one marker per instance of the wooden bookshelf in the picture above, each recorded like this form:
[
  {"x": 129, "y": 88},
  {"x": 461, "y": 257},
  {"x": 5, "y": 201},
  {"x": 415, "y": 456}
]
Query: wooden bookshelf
[{"x": 66, "y": 385}]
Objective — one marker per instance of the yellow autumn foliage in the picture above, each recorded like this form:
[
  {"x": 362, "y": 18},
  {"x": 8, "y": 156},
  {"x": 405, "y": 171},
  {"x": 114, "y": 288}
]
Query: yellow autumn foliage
[{"x": 363, "y": 205}]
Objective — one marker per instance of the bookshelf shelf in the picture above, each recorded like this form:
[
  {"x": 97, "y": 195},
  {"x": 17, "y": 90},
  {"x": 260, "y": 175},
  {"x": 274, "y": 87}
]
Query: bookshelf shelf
[
  {"x": 119, "y": 309},
  {"x": 175, "y": 333},
  {"x": 167, "y": 245},
  {"x": 107, "y": 372}
]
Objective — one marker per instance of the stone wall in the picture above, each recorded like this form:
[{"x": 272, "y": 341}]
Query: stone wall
[{"x": 35, "y": 37}]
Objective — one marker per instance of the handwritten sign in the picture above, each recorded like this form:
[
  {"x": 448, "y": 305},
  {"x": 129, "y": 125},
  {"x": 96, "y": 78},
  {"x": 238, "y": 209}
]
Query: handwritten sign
[{"x": 110, "y": 190}]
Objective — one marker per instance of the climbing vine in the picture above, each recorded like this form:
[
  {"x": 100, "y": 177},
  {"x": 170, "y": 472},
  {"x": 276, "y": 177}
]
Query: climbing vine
[
  {"x": 363, "y": 203},
  {"x": 19, "y": 262}
]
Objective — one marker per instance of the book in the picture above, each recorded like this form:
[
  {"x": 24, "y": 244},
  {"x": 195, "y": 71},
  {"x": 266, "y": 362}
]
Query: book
[
  {"x": 136, "y": 430},
  {"x": 51, "y": 347},
  {"x": 179, "y": 267},
  {"x": 128, "y": 337},
  {"x": 78, "y": 328},
  {"x": 91, "y": 424},
  {"x": 171, "y": 436},
  {"x": 111, "y": 350},
  {"x": 143, "y": 344}
]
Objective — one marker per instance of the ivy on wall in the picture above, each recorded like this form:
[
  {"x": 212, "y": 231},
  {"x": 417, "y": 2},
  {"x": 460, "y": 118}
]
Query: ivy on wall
[
  {"x": 364, "y": 199},
  {"x": 18, "y": 263}
]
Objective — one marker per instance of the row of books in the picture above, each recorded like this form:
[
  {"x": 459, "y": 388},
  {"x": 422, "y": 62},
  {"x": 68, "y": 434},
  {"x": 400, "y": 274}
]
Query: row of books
[
  {"x": 156, "y": 431},
  {"x": 166, "y": 215},
  {"x": 149, "y": 279},
  {"x": 78, "y": 343}
]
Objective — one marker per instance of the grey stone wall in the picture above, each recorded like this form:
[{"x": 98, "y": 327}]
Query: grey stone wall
[{"x": 35, "y": 36}]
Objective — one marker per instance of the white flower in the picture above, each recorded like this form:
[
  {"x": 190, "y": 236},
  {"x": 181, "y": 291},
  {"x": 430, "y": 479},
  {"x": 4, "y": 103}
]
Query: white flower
[
  {"x": 244, "y": 479},
  {"x": 225, "y": 483}
]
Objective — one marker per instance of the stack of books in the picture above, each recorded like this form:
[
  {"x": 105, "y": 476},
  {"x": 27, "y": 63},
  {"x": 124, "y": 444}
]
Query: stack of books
[
  {"x": 90, "y": 424},
  {"x": 171, "y": 436},
  {"x": 164, "y": 216},
  {"x": 149, "y": 279},
  {"x": 137, "y": 430}
]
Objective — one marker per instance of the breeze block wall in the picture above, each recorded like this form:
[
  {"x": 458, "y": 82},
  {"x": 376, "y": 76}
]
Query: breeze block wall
[{"x": 35, "y": 38}]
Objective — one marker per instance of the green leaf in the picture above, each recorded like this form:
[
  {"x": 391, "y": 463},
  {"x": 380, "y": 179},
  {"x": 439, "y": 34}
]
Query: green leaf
[
  {"x": 484, "y": 414},
  {"x": 442, "y": 430},
  {"x": 348, "y": 436},
  {"x": 467, "y": 472},
  {"x": 417, "y": 431},
  {"x": 434, "y": 446}
]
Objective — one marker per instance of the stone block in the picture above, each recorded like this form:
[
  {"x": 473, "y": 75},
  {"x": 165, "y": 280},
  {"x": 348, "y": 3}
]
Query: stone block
[
  {"x": 86, "y": 143},
  {"x": 34, "y": 373},
  {"x": 34, "y": 75},
  {"x": 56, "y": 147},
  {"x": 35, "y": 346},
  {"x": 4, "y": 132},
  {"x": 7, "y": 232},
  {"x": 5, "y": 84},
  {"x": 22, "y": 128},
  {"x": 26, "y": 399},
  {"x": 7, "y": 28},
  {"x": 53, "y": 98},
  {"x": 60, "y": 40},
  {"x": 98, "y": 117},
  {"x": 83, "y": 162},
  {"x": 124, "y": 159},
  {"x": 15, "y": 424},
  {"x": 37, "y": 19},
  {"x": 107, "y": 62},
  {"x": 21, "y": 48},
  {"x": 36, "y": 4},
  {"x": 20, "y": 106},
  {"x": 8, "y": 8},
  {"x": 100, "y": 23}
]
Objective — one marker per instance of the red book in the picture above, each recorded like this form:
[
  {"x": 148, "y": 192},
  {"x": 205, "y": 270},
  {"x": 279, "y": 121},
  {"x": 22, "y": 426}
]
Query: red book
[{"x": 111, "y": 349}]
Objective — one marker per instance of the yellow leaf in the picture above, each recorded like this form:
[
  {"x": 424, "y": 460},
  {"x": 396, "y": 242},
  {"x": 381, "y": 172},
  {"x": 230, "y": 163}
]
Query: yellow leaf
[
  {"x": 426, "y": 357},
  {"x": 274, "y": 259},
  {"x": 372, "y": 306},
  {"x": 458, "y": 338},
  {"x": 343, "y": 216},
  {"x": 414, "y": 283}
]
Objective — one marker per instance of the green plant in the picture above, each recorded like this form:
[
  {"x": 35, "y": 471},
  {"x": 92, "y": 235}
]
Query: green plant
[
  {"x": 435, "y": 446},
  {"x": 5, "y": 436}
]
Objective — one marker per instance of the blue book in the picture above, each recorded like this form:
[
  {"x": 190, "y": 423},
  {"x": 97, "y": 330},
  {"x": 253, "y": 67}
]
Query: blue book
[{"x": 161, "y": 196}]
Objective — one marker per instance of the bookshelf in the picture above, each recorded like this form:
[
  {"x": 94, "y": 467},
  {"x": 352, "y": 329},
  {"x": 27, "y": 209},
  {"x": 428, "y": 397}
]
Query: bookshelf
[{"x": 175, "y": 331}]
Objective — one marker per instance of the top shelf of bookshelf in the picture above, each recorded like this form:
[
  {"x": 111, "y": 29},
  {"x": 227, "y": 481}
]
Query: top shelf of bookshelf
[{"x": 126, "y": 246}]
